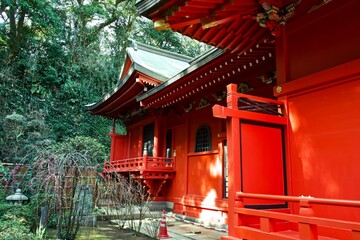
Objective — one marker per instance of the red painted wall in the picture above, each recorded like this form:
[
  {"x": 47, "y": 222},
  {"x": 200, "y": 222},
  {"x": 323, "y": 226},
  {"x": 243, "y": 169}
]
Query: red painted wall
[
  {"x": 325, "y": 137},
  {"x": 135, "y": 135},
  {"x": 119, "y": 146},
  {"x": 204, "y": 168},
  {"x": 321, "y": 54},
  {"x": 177, "y": 186},
  {"x": 322, "y": 39},
  {"x": 199, "y": 176}
]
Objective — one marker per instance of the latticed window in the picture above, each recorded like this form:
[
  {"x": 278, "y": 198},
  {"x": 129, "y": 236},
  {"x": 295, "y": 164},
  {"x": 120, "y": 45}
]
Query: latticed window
[{"x": 203, "y": 139}]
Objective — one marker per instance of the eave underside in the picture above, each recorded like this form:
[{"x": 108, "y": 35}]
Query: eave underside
[
  {"x": 252, "y": 68},
  {"x": 230, "y": 25}
]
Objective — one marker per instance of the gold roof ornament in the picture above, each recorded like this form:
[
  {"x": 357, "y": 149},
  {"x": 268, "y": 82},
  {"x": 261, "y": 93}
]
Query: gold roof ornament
[{"x": 161, "y": 24}]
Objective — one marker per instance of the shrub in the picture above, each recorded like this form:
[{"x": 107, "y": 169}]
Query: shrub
[
  {"x": 16, "y": 222},
  {"x": 88, "y": 147},
  {"x": 61, "y": 175},
  {"x": 13, "y": 227}
]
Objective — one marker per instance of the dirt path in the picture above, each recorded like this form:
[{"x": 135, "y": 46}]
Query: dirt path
[{"x": 104, "y": 230}]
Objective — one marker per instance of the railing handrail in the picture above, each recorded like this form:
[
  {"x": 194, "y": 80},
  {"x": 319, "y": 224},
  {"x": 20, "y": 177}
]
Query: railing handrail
[
  {"x": 141, "y": 157},
  {"x": 142, "y": 163},
  {"x": 259, "y": 99},
  {"x": 308, "y": 199},
  {"x": 300, "y": 219},
  {"x": 165, "y": 158},
  {"x": 126, "y": 159}
]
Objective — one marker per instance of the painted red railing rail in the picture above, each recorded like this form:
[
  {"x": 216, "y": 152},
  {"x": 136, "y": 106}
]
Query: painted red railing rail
[
  {"x": 251, "y": 107},
  {"x": 307, "y": 222},
  {"x": 140, "y": 164},
  {"x": 309, "y": 199}
]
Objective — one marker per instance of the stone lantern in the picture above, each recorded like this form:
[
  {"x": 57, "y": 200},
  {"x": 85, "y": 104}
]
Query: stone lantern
[{"x": 17, "y": 199}]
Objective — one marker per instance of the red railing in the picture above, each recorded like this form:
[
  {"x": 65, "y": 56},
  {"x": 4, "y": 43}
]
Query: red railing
[
  {"x": 160, "y": 163},
  {"x": 140, "y": 164},
  {"x": 306, "y": 220}
]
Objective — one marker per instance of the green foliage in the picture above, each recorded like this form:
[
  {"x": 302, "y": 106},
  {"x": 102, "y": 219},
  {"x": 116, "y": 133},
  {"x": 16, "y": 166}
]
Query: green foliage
[
  {"x": 88, "y": 147},
  {"x": 5, "y": 172},
  {"x": 144, "y": 32},
  {"x": 23, "y": 135},
  {"x": 61, "y": 175},
  {"x": 16, "y": 222},
  {"x": 56, "y": 57},
  {"x": 14, "y": 228}
]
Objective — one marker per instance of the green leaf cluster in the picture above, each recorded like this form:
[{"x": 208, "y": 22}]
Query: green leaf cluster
[{"x": 16, "y": 222}]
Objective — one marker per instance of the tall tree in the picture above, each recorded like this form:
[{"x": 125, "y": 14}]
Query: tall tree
[
  {"x": 24, "y": 20},
  {"x": 57, "y": 56},
  {"x": 144, "y": 31}
]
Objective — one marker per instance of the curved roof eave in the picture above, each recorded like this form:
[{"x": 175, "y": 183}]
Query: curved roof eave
[
  {"x": 107, "y": 96},
  {"x": 146, "y": 6},
  {"x": 195, "y": 64},
  {"x": 134, "y": 68},
  {"x": 150, "y": 73},
  {"x": 157, "y": 63}
]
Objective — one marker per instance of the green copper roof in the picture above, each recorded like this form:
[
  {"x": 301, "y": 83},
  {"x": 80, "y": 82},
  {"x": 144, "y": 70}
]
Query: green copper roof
[
  {"x": 157, "y": 63},
  {"x": 153, "y": 62}
]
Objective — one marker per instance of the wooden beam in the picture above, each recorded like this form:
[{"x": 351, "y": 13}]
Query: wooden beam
[
  {"x": 191, "y": 29},
  {"x": 234, "y": 42},
  {"x": 198, "y": 33},
  {"x": 224, "y": 112},
  {"x": 209, "y": 1},
  {"x": 180, "y": 25},
  {"x": 220, "y": 34},
  {"x": 209, "y": 22},
  {"x": 225, "y": 40},
  {"x": 209, "y": 33},
  {"x": 197, "y": 4}
]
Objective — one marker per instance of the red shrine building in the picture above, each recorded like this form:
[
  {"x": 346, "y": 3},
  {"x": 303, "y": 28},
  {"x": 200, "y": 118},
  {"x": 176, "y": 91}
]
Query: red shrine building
[{"x": 260, "y": 132}]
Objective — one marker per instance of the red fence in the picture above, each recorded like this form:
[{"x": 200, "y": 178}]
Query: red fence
[
  {"x": 141, "y": 164},
  {"x": 307, "y": 222}
]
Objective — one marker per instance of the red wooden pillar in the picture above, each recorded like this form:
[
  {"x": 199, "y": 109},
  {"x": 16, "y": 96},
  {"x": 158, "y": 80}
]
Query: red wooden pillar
[
  {"x": 112, "y": 147},
  {"x": 113, "y": 140},
  {"x": 233, "y": 141},
  {"x": 281, "y": 57},
  {"x": 156, "y": 138}
]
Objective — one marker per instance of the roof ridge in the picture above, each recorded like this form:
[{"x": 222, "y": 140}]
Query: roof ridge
[{"x": 138, "y": 45}]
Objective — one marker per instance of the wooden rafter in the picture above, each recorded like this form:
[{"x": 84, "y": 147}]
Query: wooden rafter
[
  {"x": 197, "y": 4},
  {"x": 219, "y": 35},
  {"x": 208, "y": 34},
  {"x": 226, "y": 39},
  {"x": 211, "y": 22},
  {"x": 209, "y": 1}
]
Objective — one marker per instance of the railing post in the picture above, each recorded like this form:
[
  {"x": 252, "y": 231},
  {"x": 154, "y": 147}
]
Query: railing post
[
  {"x": 239, "y": 203},
  {"x": 233, "y": 142},
  {"x": 307, "y": 231},
  {"x": 267, "y": 224},
  {"x": 232, "y": 99},
  {"x": 174, "y": 159},
  {"x": 145, "y": 158}
]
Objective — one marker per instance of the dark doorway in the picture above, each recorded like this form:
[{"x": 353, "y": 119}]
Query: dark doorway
[
  {"x": 169, "y": 143},
  {"x": 148, "y": 138}
]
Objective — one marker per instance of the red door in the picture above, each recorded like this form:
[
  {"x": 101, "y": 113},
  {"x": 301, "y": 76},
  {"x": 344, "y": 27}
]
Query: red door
[{"x": 262, "y": 162}]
